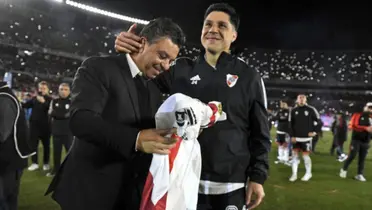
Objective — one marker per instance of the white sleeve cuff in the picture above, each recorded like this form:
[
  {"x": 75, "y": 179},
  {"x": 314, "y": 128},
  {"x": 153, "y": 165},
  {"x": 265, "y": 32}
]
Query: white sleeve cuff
[{"x": 135, "y": 145}]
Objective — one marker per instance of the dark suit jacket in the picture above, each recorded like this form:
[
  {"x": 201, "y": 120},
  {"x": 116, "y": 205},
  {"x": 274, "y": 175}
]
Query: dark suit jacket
[{"x": 102, "y": 170}]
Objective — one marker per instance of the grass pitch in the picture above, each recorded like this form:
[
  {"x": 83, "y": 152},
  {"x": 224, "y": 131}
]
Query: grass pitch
[{"x": 325, "y": 191}]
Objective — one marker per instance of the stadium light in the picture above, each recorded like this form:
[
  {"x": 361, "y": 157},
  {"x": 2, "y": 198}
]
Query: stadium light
[
  {"x": 106, "y": 13},
  {"x": 59, "y": 1}
]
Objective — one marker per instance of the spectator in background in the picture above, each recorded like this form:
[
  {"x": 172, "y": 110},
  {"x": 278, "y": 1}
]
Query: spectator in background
[
  {"x": 339, "y": 130},
  {"x": 62, "y": 136},
  {"x": 319, "y": 135},
  {"x": 270, "y": 117},
  {"x": 282, "y": 132},
  {"x": 28, "y": 111},
  {"x": 39, "y": 123},
  {"x": 14, "y": 149}
]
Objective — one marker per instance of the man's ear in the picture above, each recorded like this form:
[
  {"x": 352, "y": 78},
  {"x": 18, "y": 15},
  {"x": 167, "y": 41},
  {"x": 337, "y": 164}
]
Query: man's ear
[
  {"x": 143, "y": 42},
  {"x": 235, "y": 35}
]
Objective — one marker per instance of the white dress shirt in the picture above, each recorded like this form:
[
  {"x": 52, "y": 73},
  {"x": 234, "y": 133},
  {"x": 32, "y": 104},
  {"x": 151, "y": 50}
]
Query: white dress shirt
[{"x": 134, "y": 70}]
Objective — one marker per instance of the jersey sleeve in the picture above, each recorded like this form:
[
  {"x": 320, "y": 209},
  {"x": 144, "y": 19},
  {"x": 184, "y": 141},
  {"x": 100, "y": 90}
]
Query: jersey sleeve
[
  {"x": 355, "y": 123},
  {"x": 259, "y": 140},
  {"x": 291, "y": 121},
  {"x": 316, "y": 119}
]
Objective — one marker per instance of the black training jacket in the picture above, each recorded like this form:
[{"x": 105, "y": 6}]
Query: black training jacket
[{"x": 237, "y": 148}]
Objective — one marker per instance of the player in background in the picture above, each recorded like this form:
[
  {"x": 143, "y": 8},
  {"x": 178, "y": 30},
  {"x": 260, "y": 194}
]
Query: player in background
[
  {"x": 318, "y": 136},
  {"x": 361, "y": 125},
  {"x": 282, "y": 132},
  {"x": 303, "y": 122},
  {"x": 339, "y": 130}
]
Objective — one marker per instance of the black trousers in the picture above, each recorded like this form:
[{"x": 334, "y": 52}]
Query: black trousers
[
  {"x": 9, "y": 189},
  {"x": 60, "y": 141},
  {"x": 340, "y": 148},
  {"x": 233, "y": 200},
  {"x": 338, "y": 143},
  {"x": 314, "y": 142},
  {"x": 41, "y": 132},
  {"x": 333, "y": 145},
  {"x": 357, "y": 147}
]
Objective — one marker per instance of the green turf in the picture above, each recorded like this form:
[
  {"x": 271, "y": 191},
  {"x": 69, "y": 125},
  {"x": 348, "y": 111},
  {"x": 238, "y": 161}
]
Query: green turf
[{"x": 325, "y": 191}]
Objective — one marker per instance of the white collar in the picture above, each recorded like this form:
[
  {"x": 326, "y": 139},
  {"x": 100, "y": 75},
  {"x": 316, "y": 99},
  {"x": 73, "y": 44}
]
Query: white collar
[{"x": 134, "y": 70}]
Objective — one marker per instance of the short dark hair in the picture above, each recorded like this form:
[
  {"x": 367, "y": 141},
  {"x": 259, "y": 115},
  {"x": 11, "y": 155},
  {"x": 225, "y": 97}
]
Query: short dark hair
[
  {"x": 163, "y": 28},
  {"x": 43, "y": 83},
  {"x": 64, "y": 84},
  {"x": 226, "y": 8},
  {"x": 284, "y": 100}
]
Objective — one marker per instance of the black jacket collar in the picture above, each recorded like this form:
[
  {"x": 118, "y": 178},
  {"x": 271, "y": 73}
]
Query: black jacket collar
[{"x": 224, "y": 58}]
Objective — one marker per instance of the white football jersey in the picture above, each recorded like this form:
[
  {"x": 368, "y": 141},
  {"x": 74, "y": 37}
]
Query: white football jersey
[{"x": 173, "y": 180}]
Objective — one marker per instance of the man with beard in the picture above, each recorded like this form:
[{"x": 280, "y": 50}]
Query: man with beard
[{"x": 234, "y": 152}]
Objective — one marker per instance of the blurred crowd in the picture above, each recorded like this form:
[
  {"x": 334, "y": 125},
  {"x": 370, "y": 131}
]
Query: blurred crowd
[{"x": 36, "y": 43}]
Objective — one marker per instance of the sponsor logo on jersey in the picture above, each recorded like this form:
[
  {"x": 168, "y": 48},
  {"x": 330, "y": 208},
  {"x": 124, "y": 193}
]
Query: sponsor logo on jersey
[{"x": 195, "y": 79}]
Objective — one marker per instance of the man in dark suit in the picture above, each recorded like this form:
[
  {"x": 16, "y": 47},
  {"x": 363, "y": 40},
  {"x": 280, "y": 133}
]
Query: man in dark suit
[{"x": 112, "y": 117}]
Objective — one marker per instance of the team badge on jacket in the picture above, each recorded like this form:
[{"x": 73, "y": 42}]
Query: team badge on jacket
[{"x": 231, "y": 80}]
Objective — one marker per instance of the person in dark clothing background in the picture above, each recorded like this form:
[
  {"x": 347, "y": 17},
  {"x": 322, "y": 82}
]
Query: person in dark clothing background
[
  {"x": 334, "y": 130},
  {"x": 235, "y": 152},
  {"x": 28, "y": 111},
  {"x": 14, "y": 149},
  {"x": 62, "y": 136},
  {"x": 339, "y": 130},
  {"x": 270, "y": 118},
  {"x": 39, "y": 124},
  {"x": 361, "y": 125},
  {"x": 319, "y": 135},
  {"x": 282, "y": 132}
]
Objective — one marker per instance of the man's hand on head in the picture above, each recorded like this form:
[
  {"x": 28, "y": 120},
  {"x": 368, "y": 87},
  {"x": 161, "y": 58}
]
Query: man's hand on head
[{"x": 128, "y": 42}]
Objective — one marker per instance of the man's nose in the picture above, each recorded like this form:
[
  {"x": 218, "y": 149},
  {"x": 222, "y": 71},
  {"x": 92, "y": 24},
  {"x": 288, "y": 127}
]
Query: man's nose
[
  {"x": 213, "y": 29},
  {"x": 165, "y": 66}
]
